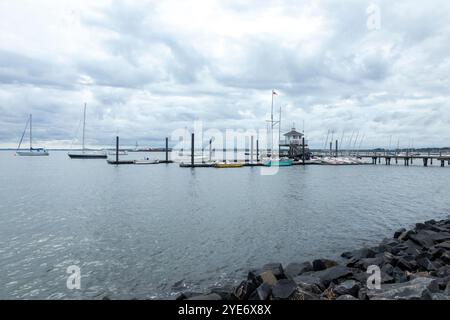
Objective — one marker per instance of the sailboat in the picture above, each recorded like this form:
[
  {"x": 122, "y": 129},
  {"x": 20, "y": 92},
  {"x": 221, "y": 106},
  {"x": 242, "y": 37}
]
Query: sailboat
[
  {"x": 276, "y": 161},
  {"x": 86, "y": 154},
  {"x": 32, "y": 151}
]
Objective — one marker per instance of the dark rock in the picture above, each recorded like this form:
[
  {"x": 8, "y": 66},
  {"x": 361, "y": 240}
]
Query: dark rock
[
  {"x": 225, "y": 292},
  {"x": 309, "y": 283},
  {"x": 435, "y": 252},
  {"x": 387, "y": 269},
  {"x": 440, "y": 296},
  {"x": 447, "y": 288},
  {"x": 348, "y": 287},
  {"x": 443, "y": 272},
  {"x": 425, "y": 264},
  {"x": 399, "y": 275},
  {"x": 404, "y": 264},
  {"x": 444, "y": 245},
  {"x": 406, "y": 235},
  {"x": 300, "y": 294},
  {"x": 296, "y": 269},
  {"x": 365, "y": 263},
  {"x": 332, "y": 274},
  {"x": 244, "y": 290},
  {"x": 360, "y": 254},
  {"x": 283, "y": 289},
  {"x": 427, "y": 238},
  {"x": 211, "y": 296},
  {"x": 445, "y": 257},
  {"x": 413, "y": 290},
  {"x": 362, "y": 294},
  {"x": 187, "y": 295},
  {"x": 399, "y": 232},
  {"x": 346, "y": 297},
  {"x": 264, "y": 291},
  {"x": 322, "y": 264},
  {"x": 275, "y": 268}
]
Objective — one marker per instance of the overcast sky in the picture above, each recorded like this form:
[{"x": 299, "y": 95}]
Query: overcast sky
[{"x": 146, "y": 68}]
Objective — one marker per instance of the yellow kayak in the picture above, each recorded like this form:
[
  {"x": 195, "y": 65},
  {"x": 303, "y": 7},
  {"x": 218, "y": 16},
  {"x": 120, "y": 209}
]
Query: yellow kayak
[{"x": 228, "y": 165}]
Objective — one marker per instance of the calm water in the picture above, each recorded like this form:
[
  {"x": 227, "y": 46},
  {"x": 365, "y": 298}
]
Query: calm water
[{"x": 151, "y": 231}]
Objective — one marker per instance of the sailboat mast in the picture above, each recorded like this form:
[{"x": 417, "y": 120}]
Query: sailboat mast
[
  {"x": 31, "y": 134},
  {"x": 84, "y": 124},
  {"x": 271, "y": 126}
]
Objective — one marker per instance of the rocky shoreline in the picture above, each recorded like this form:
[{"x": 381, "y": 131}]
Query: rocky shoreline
[{"x": 413, "y": 265}]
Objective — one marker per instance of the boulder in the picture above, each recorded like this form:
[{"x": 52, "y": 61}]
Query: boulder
[
  {"x": 399, "y": 275},
  {"x": 322, "y": 264},
  {"x": 445, "y": 257},
  {"x": 264, "y": 291},
  {"x": 415, "y": 289},
  {"x": 211, "y": 296},
  {"x": 360, "y": 254},
  {"x": 309, "y": 283},
  {"x": 300, "y": 294},
  {"x": 296, "y": 269},
  {"x": 284, "y": 289},
  {"x": 444, "y": 245},
  {"x": 406, "y": 235},
  {"x": 275, "y": 268},
  {"x": 425, "y": 264},
  {"x": 332, "y": 274},
  {"x": 440, "y": 296},
  {"x": 348, "y": 287},
  {"x": 346, "y": 297},
  {"x": 244, "y": 290},
  {"x": 399, "y": 232},
  {"x": 365, "y": 263}
]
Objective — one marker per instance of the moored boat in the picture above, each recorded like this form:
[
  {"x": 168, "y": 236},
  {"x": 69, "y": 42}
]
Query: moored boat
[
  {"x": 32, "y": 152},
  {"x": 86, "y": 154},
  {"x": 146, "y": 161},
  {"x": 276, "y": 162},
  {"x": 228, "y": 165}
]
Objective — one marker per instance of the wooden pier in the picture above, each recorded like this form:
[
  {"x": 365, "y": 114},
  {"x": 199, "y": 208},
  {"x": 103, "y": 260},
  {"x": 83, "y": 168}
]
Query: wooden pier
[{"x": 406, "y": 159}]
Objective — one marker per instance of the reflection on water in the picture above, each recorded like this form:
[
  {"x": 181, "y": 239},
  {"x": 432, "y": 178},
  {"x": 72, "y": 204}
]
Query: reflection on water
[{"x": 151, "y": 231}]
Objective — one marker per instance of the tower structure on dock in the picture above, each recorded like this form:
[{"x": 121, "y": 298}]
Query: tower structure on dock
[{"x": 293, "y": 141}]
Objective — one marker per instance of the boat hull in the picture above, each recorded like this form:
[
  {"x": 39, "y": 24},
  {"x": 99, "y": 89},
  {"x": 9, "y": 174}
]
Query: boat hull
[
  {"x": 143, "y": 162},
  {"x": 280, "y": 163},
  {"x": 32, "y": 153},
  {"x": 87, "y": 156}
]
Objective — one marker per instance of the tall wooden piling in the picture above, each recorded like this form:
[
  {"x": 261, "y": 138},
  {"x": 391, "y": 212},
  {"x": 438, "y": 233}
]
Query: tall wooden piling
[
  {"x": 192, "y": 150},
  {"x": 337, "y": 150},
  {"x": 210, "y": 150},
  {"x": 257, "y": 150},
  {"x": 251, "y": 149},
  {"x": 167, "y": 149},
  {"x": 303, "y": 151},
  {"x": 117, "y": 150}
]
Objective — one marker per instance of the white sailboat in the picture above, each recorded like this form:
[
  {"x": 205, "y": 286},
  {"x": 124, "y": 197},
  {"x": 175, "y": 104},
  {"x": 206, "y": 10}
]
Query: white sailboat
[
  {"x": 86, "y": 154},
  {"x": 32, "y": 152}
]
